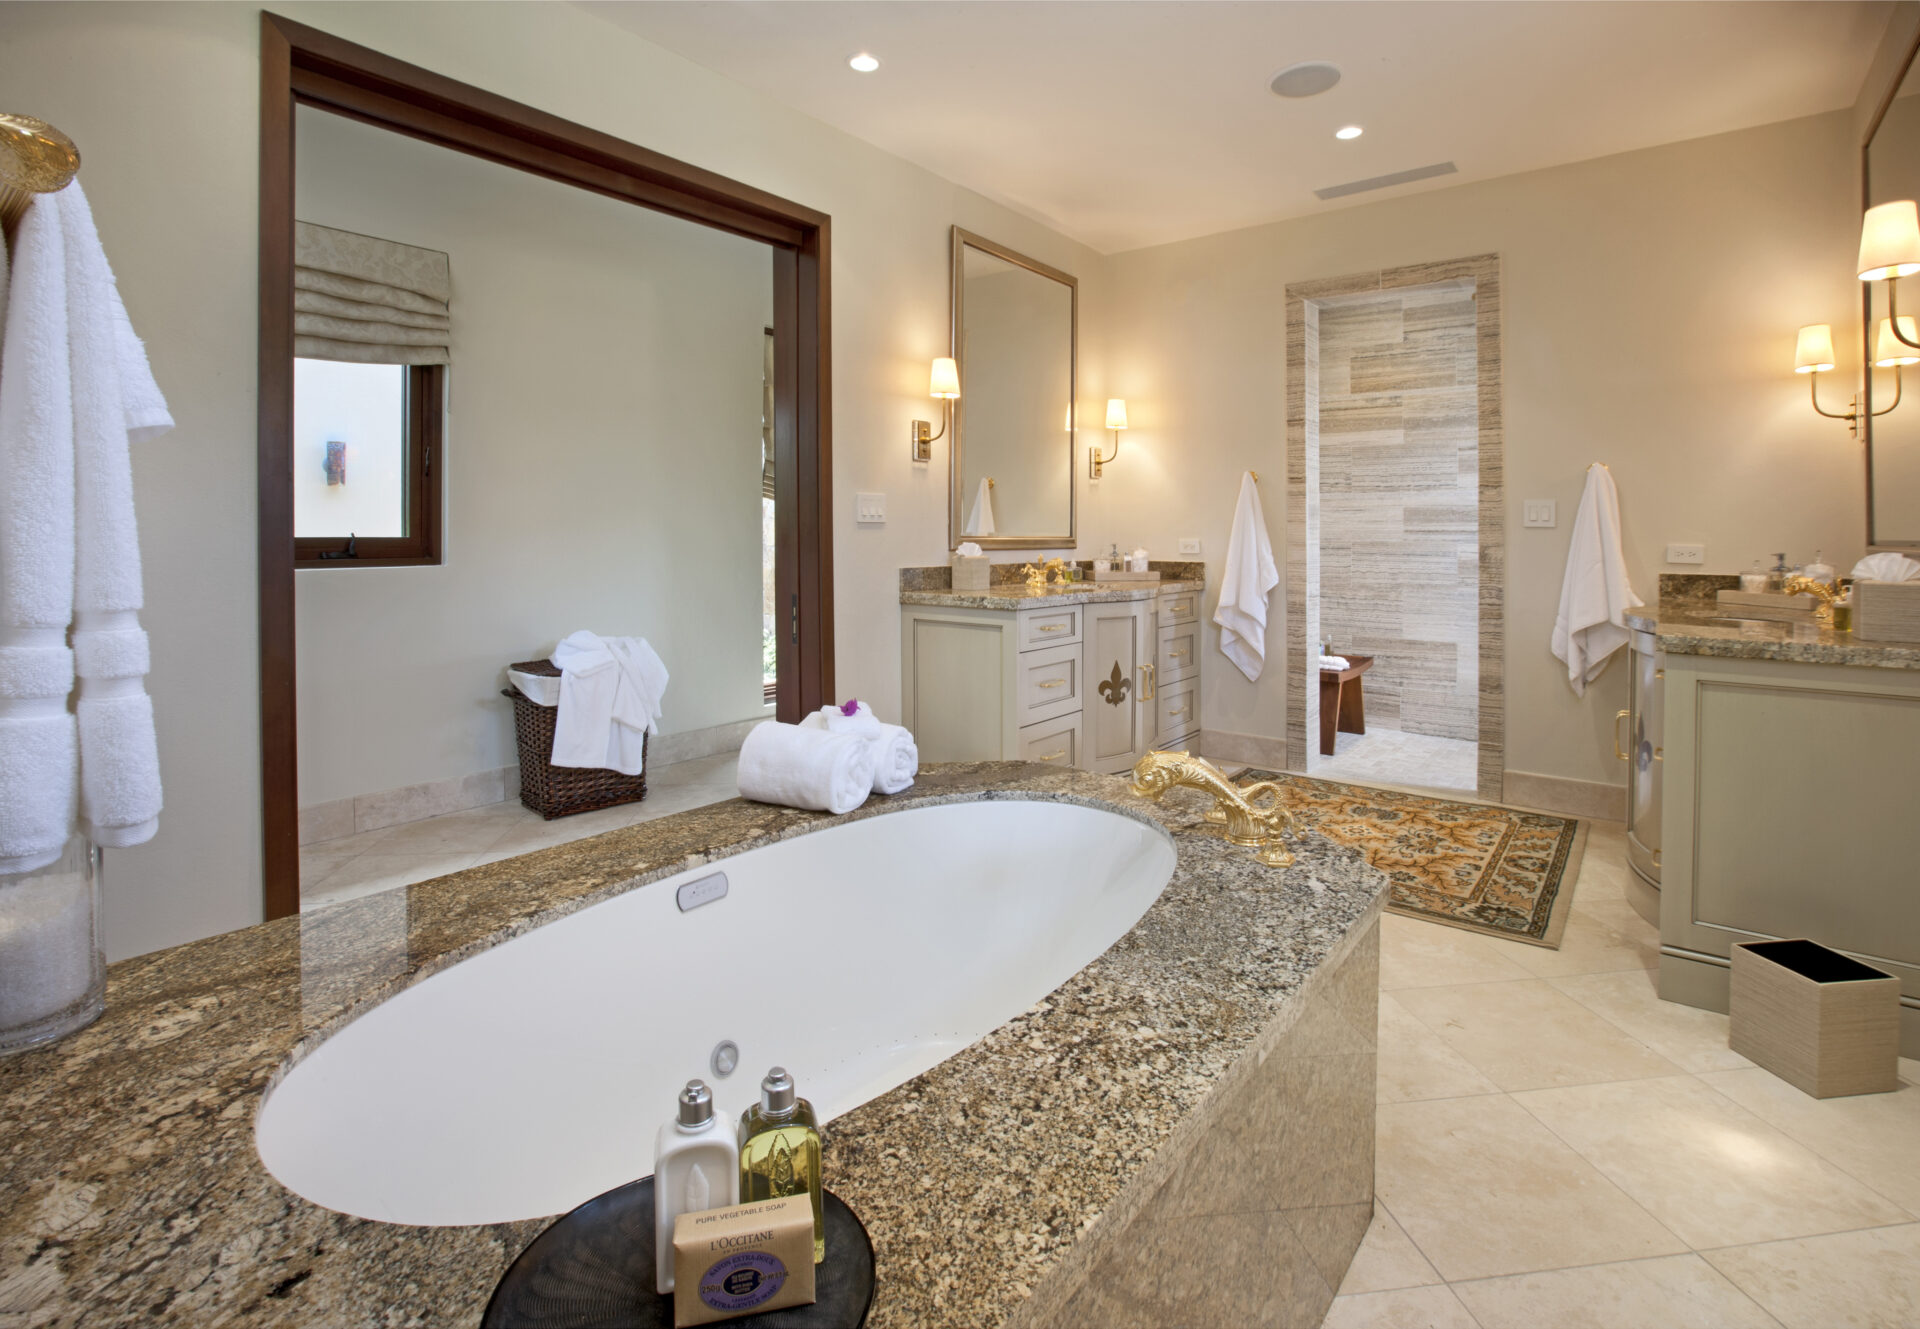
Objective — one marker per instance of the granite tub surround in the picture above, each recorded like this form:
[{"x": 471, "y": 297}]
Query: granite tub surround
[
  {"x": 1689, "y": 621},
  {"x": 131, "y": 1192},
  {"x": 1008, "y": 590}
]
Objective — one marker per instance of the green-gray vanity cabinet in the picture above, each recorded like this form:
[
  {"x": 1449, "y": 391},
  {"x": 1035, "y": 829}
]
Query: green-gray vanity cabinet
[
  {"x": 1790, "y": 809},
  {"x": 1093, "y": 684}
]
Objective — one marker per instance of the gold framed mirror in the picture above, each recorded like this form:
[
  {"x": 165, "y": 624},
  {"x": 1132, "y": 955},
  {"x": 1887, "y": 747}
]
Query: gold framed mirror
[{"x": 1890, "y": 170}]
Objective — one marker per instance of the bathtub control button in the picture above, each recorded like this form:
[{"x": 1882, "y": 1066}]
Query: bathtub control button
[
  {"x": 726, "y": 1058},
  {"x": 704, "y": 891}
]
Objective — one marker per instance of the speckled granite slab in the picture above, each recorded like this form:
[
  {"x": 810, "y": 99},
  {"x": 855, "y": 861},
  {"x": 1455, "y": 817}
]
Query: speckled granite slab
[
  {"x": 1015, "y": 595},
  {"x": 1695, "y": 626},
  {"x": 940, "y": 577},
  {"x": 131, "y": 1193}
]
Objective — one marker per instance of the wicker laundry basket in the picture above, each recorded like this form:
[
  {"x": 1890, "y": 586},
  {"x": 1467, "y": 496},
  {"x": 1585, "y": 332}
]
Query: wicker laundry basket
[{"x": 560, "y": 791}]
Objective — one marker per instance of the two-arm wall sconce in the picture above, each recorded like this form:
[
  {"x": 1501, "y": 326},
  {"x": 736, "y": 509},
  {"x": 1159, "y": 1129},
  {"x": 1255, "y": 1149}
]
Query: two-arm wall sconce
[
  {"x": 1116, "y": 421},
  {"x": 944, "y": 383},
  {"x": 1813, "y": 356},
  {"x": 1889, "y": 250}
]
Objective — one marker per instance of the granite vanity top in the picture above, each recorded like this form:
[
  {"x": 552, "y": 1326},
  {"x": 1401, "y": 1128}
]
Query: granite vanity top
[
  {"x": 1018, "y": 596},
  {"x": 131, "y": 1192},
  {"x": 1689, "y": 621}
]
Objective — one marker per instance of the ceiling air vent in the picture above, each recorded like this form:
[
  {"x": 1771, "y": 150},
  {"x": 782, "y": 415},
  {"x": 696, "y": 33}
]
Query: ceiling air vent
[{"x": 1385, "y": 181}]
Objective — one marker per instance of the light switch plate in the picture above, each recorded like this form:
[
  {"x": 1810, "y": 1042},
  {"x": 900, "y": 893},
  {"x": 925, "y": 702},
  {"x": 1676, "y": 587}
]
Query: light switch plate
[
  {"x": 1537, "y": 512},
  {"x": 1694, "y": 555},
  {"x": 870, "y": 509},
  {"x": 1190, "y": 545}
]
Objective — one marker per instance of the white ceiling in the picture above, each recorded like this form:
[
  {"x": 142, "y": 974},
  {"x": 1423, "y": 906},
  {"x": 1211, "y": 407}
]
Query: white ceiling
[{"x": 1134, "y": 122}]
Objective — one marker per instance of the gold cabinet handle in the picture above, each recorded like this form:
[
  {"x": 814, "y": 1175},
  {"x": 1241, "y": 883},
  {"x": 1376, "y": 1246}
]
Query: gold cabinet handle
[
  {"x": 1180, "y": 654},
  {"x": 1049, "y": 756},
  {"x": 1659, "y": 754},
  {"x": 1656, "y": 858},
  {"x": 1616, "y": 734},
  {"x": 1053, "y": 683},
  {"x": 1659, "y": 673},
  {"x": 1175, "y": 715},
  {"x": 1051, "y": 627},
  {"x": 1151, "y": 691}
]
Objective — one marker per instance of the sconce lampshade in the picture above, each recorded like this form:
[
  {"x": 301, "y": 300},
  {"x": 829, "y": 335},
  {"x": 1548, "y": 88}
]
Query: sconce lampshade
[
  {"x": 1813, "y": 353},
  {"x": 1890, "y": 241},
  {"x": 945, "y": 379},
  {"x": 1889, "y": 352},
  {"x": 1116, "y": 413}
]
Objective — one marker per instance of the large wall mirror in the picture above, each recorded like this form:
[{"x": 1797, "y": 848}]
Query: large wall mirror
[
  {"x": 1891, "y": 170},
  {"x": 1014, "y": 326}
]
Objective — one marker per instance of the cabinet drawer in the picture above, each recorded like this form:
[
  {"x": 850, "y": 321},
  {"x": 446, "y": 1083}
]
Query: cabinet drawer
[
  {"x": 1049, "y": 627},
  {"x": 1053, "y": 742},
  {"x": 1179, "y": 651},
  {"x": 1049, "y": 683},
  {"x": 1179, "y": 607},
  {"x": 1179, "y": 708}
]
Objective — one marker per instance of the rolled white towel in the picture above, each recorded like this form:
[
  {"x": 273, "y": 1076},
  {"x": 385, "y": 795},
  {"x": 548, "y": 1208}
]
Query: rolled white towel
[
  {"x": 1333, "y": 662},
  {"x": 803, "y": 767},
  {"x": 896, "y": 757},
  {"x": 36, "y": 812}
]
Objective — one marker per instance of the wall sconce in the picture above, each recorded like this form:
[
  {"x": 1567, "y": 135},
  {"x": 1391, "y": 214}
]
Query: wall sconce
[
  {"x": 1116, "y": 421},
  {"x": 1890, "y": 250},
  {"x": 1813, "y": 356},
  {"x": 943, "y": 382}
]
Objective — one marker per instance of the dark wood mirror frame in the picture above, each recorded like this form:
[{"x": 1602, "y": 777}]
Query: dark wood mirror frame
[{"x": 300, "y": 65}]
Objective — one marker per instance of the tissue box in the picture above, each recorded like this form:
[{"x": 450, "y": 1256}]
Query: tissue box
[
  {"x": 972, "y": 574},
  {"x": 742, "y": 1260},
  {"x": 1886, "y": 611}
]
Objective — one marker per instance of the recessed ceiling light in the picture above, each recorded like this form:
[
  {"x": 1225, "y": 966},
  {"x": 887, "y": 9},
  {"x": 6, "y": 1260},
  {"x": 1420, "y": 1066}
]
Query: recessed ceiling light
[
  {"x": 1306, "y": 79},
  {"x": 865, "y": 63},
  {"x": 1351, "y": 131}
]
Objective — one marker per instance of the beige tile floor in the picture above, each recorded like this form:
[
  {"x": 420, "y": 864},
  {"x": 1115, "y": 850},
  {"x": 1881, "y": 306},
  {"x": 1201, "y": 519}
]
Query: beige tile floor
[
  {"x": 346, "y": 869},
  {"x": 1389, "y": 756},
  {"x": 1558, "y": 1147}
]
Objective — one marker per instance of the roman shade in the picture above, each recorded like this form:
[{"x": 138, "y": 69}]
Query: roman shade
[{"x": 367, "y": 300}]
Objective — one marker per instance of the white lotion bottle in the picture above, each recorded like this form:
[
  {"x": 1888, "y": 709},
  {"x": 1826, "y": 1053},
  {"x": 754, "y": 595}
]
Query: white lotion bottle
[{"x": 696, "y": 1165}]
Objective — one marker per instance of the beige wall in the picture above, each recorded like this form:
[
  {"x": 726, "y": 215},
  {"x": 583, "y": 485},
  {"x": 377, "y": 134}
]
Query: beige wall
[
  {"x": 1650, "y": 306},
  {"x": 164, "y": 103},
  {"x": 602, "y": 449}
]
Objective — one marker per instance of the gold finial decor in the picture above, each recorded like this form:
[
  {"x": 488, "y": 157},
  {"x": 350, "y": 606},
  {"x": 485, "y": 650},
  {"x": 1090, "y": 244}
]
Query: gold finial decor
[
  {"x": 1261, "y": 829},
  {"x": 35, "y": 158}
]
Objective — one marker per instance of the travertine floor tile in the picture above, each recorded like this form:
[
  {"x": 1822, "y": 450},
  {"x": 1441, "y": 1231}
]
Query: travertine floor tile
[
  {"x": 1526, "y": 1035},
  {"x": 1408, "y": 1308},
  {"x": 1418, "y": 954},
  {"x": 1853, "y": 1280},
  {"x": 1483, "y": 1190},
  {"x": 1693, "y": 1039},
  {"x": 1588, "y": 946},
  {"x": 1413, "y": 1064},
  {"x": 1387, "y": 1259},
  {"x": 1875, "y": 1138},
  {"x": 1673, "y": 1292},
  {"x": 1703, "y": 1165}
]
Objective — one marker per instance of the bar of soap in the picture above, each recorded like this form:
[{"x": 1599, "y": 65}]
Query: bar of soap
[{"x": 742, "y": 1260}]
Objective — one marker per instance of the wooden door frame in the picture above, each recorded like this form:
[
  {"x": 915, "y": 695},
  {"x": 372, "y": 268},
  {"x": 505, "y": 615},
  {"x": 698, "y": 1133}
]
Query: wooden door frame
[{"x": 300, "y": 65}]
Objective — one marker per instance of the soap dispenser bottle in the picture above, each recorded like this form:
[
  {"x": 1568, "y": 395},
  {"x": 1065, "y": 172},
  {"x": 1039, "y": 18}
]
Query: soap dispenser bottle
[
  {"x": 780, "y": 1151},
  {"x": 695, "y": 1167}
]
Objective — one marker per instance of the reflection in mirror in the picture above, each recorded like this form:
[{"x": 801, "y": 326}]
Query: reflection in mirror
[
  {"x": 601, "y": 377},
  {"x": 1014, "y": 326},
  {"x": 1893, "y": 439}
]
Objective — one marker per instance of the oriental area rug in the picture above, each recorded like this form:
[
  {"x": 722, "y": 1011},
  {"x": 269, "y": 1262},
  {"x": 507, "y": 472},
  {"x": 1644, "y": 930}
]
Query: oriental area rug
[{"x": 1476, "y": 866}]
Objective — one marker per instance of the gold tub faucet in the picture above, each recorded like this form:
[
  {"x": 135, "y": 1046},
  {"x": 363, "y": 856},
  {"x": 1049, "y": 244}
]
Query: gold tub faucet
[{"x": 1259, "y": 828}]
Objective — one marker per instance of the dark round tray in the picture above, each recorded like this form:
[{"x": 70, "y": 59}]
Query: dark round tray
[{"x": 593, "y": 1269}]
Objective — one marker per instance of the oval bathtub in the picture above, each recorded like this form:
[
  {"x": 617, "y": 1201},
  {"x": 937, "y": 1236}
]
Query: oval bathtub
[{"x": 532, "y": 1076}]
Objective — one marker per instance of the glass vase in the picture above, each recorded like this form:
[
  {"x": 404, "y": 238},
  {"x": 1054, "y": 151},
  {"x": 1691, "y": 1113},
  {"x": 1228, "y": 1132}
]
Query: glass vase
[{"x": 53, "y": 975}]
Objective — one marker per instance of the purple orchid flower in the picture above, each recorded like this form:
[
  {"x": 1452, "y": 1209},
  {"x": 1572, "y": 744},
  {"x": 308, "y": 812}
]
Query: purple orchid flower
[{"x": 850, "y": 707}]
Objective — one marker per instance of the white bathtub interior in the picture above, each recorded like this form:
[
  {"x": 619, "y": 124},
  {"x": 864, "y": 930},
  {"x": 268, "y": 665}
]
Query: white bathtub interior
[{"x": 532, "y": 1076}]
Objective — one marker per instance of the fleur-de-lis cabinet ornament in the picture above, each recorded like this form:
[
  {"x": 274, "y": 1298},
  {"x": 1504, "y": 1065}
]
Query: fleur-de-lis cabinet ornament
[{"x": 1116, "y": 687}]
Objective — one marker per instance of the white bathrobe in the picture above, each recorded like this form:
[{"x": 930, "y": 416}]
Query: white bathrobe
[
  {"x": 1594, "y": 594},
  {"x": 610, "y": 694},
  {"x": 1249, "y": 579}
]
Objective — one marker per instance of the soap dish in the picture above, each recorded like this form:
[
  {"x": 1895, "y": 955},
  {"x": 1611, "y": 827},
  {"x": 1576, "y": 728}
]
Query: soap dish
[{"x": 594, "y": 1266}]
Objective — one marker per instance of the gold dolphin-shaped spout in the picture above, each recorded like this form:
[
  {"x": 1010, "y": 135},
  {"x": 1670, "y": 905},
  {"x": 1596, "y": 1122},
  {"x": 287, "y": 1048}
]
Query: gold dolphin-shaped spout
[{"x": 1257, "y": 827}]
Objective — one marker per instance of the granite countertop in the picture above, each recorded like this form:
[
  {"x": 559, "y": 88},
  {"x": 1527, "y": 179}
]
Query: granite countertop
[
  {"x": 1018, "y": 596},
  {"x": 131, "y": 1192},
  {"x": 1690, "y": 621}
]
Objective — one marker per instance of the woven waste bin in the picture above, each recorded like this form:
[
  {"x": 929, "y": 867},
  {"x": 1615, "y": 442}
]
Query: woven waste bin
[
  {"x": 1822, "y": 1021},
  {"x": 560, "y": 791}
]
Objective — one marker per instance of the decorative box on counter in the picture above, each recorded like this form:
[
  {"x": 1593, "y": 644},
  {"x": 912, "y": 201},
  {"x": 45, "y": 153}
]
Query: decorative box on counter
[
  {"x": 972, "y": 574},
  {"x": 1772, "y": 606},
  {"x": 1886, "y": 610}
]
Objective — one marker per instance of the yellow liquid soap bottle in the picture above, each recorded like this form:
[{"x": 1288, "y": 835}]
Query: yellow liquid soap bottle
[{"x": 780, "y": 1151}]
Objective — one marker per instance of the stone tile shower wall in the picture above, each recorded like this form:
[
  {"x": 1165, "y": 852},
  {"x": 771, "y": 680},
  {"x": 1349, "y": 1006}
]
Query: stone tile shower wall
[{"x": 1399, "y": 502}]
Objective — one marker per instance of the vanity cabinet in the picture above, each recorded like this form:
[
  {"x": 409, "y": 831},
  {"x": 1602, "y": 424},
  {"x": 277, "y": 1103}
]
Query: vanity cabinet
[{"x": 1093, "y": 685}]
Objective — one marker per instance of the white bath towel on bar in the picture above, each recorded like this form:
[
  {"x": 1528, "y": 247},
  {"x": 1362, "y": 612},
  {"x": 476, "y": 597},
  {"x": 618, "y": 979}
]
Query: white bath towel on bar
[
  {"x": 896, "y": 757},
  {"x": 610, "y": 698},
  {"x": 800, "y": 767},
  {"x": 1594, "y": 594},
  {"x": 1249, "y": 579},
  {"x": 980, "y": 516}
]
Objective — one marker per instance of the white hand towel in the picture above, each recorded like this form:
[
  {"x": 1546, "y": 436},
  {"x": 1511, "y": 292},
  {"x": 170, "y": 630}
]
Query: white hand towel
[
  {"x": 115, "y": 402},
  {"x": 1335, "y": 663},
  {"x": 610, "y": 694},
  {"x": 1886, "y": 567},
  {"x": 896, "y": 757},
  {"x": 1594, "y": 594},
  {"x": 39, "y": 741},
  {"x": 1249, "y": 578},
  {"x": 803, "y": 767},
  {"x": 980, "y": 516}
]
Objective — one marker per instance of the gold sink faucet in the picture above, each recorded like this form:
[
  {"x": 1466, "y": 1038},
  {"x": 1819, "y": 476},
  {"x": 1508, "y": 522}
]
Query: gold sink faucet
[
  {"x": 1037, "y": 578},
  {"x": 1823, "y": 614},
  {"x": 1259, "y": 828}
]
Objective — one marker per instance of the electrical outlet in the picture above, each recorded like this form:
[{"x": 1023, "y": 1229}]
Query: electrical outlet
[
  {"x": 870, "y": 509},
  {"x": 1690, "y": 554},
  {"x": 1537, "y": 512},
  {"x": 1190, "y": 545}
]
